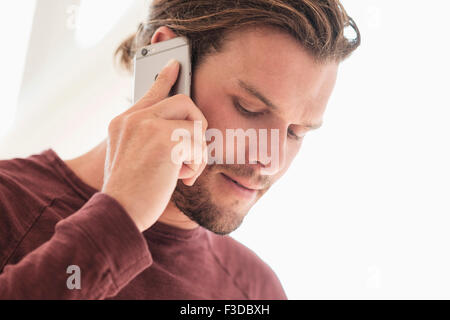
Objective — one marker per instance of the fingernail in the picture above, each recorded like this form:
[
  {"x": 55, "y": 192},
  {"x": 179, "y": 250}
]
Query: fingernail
[{"x": 171, "y": 63}]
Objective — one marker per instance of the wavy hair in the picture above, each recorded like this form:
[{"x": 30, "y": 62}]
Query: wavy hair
[{"x": 317, "y": 24}]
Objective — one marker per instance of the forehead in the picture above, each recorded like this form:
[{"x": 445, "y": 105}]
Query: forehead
[{"x": 277, "y": 64}]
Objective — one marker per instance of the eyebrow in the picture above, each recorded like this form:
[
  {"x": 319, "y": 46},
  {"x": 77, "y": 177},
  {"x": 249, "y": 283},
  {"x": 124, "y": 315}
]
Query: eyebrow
[{"x": 257, "y": 94}]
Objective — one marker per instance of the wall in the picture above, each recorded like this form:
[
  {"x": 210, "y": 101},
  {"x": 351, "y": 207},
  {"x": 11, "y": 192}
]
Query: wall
[{"x": 362, "y": 213}]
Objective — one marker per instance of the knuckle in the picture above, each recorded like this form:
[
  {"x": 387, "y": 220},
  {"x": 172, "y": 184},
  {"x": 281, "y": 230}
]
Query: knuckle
[
  {"x": 150, "y": 96},
  {"x": 156, "y": 113},
  {"x": 132, "y": 123},
  {"x": 137, "y": 123},
  {"x": 181, "y": 98},
  {"x": 162, "y": 76},
  {"x": 161, "y": 81},
  {"x": 130, "y": 120},
  {"x": 115, "y": 124},
  {"x": 152, "y": 125}
]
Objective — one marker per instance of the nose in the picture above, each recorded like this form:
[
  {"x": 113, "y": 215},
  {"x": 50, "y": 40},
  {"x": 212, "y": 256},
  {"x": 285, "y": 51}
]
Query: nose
[{"x": 271, "y": 154}]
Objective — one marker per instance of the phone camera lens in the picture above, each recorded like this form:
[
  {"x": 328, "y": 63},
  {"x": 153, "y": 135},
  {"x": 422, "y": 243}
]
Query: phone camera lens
[{"x": 144, "y": 52}]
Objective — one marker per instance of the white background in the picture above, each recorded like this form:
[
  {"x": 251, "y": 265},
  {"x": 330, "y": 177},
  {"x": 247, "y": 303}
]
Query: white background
[{"x": 364, "y": 210}]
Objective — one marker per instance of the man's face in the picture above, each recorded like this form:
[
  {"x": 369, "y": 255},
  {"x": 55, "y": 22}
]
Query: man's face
[{"x": 275, "y": 65}]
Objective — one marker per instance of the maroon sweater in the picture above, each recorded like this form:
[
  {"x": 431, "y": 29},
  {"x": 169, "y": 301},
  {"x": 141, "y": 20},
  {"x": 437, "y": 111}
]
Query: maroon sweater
[{"x": 50, "y": 220}]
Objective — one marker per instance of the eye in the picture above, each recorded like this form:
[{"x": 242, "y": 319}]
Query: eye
[
  {"x": 249, "y": 114},
  {"x": 244, "y": 111}
]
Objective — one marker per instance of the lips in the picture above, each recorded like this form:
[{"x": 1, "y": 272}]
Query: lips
[{"x": 243, "y": 183}]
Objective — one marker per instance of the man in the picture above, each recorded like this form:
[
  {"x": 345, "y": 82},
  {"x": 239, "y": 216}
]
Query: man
[{"x": 126, "y": 221}]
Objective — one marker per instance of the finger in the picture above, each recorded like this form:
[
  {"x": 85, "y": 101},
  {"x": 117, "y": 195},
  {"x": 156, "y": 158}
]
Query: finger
[
  {"x": 200, "y": 167},
  {"x": 178, "y": 107},
  {"x": 190, "y": 181},
  {"x": 188, "y": 143},
  {"x": 185, "y": 173},
  {"x": 160, "y": 88},
  {"x": 189, "y": 149}
]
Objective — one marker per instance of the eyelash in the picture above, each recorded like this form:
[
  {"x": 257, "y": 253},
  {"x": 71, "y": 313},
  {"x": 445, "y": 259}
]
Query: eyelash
[
  {"x": 245, "y": 112},
  {"x": 250, "y": 114}
]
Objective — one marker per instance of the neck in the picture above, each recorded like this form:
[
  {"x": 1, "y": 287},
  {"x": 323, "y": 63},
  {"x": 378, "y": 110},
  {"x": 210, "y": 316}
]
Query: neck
[{"x": 90, "y": 169}]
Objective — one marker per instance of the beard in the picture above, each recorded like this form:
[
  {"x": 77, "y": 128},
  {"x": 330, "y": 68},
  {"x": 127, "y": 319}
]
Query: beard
[{"x": 196, "y": 202}]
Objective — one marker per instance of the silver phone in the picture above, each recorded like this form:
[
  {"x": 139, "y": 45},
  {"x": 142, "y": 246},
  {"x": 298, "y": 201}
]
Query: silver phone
[{"x": 150, "y": 60}]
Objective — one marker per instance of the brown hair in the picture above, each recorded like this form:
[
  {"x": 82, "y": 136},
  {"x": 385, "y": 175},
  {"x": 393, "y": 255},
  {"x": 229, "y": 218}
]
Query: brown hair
[{"x": 317, "y": 24}]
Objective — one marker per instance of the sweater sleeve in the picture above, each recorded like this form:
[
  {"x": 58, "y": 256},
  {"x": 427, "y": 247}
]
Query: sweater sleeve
[{"x": 93, "y": 254}]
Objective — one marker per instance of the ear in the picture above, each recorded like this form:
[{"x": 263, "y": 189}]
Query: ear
[{"x": 163, "y": 33}]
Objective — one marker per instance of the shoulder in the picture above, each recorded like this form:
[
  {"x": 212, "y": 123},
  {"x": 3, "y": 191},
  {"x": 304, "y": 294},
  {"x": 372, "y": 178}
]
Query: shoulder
[
  {"x": 28, "y": 184},
  {"x": 37, "y": 178},
  {"x": 32, "y": 172},
  {"x": 249, "y": 271},
  {"x": 21, "y": 199},
  {"x": 19, "y": 179}
]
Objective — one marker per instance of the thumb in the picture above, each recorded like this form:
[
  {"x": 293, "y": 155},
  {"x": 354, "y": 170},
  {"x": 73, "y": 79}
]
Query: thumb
[{"x": 160, "y": 88}]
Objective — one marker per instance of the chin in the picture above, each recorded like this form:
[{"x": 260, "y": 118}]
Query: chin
[
  {"x": 214, "y": 201},
  {"x": 196, "y": 202}
]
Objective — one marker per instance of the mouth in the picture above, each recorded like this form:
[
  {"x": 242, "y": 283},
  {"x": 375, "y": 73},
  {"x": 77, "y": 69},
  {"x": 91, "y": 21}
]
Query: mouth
[
  {"x": 237, "y": 183},
  {"x": 237, "y": 188}
]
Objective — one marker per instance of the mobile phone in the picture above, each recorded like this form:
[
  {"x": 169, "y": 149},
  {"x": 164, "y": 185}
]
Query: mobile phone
[{"x": 150, "y": 60}]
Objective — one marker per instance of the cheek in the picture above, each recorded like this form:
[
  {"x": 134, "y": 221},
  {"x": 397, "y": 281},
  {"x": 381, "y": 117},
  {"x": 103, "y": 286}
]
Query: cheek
[
  {"x": 208, "y": 95},
  {"x": 209, "y": 101},
  {"x": 218, "y": 111}
]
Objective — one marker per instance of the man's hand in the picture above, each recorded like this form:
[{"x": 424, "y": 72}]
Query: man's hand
[{"x": 139, "y": 171}]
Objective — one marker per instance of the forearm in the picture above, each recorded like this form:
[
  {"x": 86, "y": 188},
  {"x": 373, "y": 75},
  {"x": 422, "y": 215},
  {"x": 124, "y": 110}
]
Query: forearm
[{"x": 100, "y": 239}]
